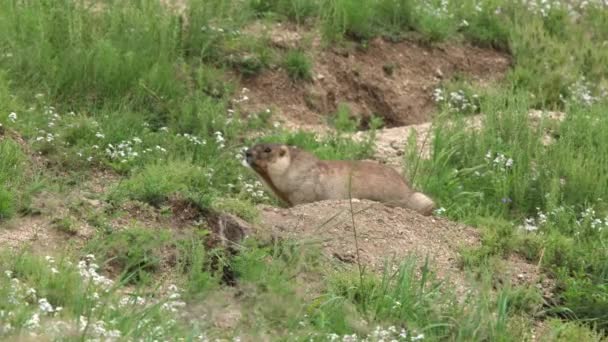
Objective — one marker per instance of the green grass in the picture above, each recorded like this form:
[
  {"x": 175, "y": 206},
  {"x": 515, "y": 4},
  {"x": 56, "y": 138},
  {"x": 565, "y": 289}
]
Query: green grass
[
  {"x": 298, "y": 65},
  {"x": 134, "y": 89},
  {"x": 13, "y": 166},
  {"x": 505, "y": 172}
]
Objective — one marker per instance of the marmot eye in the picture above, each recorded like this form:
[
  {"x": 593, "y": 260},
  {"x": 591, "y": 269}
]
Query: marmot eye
[{"x": 267, "y": 150}]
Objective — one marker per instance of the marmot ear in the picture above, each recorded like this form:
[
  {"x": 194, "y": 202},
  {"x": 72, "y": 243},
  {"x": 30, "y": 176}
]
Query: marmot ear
[{"x": 282, "y": 151}]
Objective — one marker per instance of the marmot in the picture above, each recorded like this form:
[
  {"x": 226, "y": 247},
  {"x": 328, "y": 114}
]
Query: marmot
[{"x": 297, "y": 176}]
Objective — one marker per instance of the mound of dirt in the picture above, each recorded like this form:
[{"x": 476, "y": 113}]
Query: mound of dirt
[
  {"x": 382, "y": 232},
  {"x": 392, "y": 80},
  {"x": 390, "y": 234}
]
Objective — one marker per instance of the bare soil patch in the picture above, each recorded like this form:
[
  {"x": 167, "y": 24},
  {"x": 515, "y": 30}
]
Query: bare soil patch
[
  {"x": 383, "y": 233},
  {"x": 390, "y": 234},
  {"x": 391, "y": 80},
  {"x": 36, "y": 230}
]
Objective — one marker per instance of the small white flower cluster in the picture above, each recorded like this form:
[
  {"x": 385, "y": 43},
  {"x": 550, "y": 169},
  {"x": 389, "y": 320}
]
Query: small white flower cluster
[
  {"x": 534, "y": 223},
  {"x": 543, "y": 7},
  {"x": 460, "y": 102},
  {"x": 193, "y": 139},
  {"x": 440, "y": 211},
  {"x": 46, "y": 307},
  {"x": 211, "y": 28},
  {"x": 581, "y": 93},
  {"x": 12, "y": 117},
  {"x": 529, "y": 224},
  {"x": 45, "y": 136},
  {"x": 255, "y": 190},
  {"x": 456, "y": 101},
  {"x": 219, "y": 139},
  {"x": 173, "y": 303},
  {"x": 587, "y": 217},
  {"x": 379, "y": 334},
  {"x": 129, "y": 150},
  {"x": 98, "y": 330},
  {"x": 574, "y": 8},
  {"x": 124, "y": 150},
  {"x": 33, "y": 322},
  {"x": 53, "y": 115},
  {"x": 88, "y": 270},
  {"x": 51, "y": 262},
  {"x": 439, "y": 12},
  {"x": 243, "y": 96},
  {"x": 594, "y": 222},
  {"x": 438, "y": 95},
  {"x": 240, "y": 155},
  {"x": 131, "y": 300},
  {"x": 21, "y": 295},
  {"x": 499, "y": 160},
  {"x": 391, "y": 333}
]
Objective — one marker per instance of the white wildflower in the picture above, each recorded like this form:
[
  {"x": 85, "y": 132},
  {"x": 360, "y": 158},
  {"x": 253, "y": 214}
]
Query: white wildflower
[
  {"x": 33, "y": 322},
  {"x": 45, "y": 306},
  {"x": 542, "y": 218},
  {"x": 12, "y": 116},
  {"x": 440, "y": 211},
  {"x": 82, "y": 323},
  {"x": 418, "y": 337},
  {"x": 31, "y": 292},
  {"x": 529, "y": 225}
]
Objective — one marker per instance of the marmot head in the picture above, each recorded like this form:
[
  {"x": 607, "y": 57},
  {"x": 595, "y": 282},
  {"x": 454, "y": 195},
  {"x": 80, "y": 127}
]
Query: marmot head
[{"x": 268, "y": 158}]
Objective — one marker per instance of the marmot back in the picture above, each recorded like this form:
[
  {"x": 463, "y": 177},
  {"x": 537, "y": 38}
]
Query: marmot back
[{"x": 297, "y": 176}]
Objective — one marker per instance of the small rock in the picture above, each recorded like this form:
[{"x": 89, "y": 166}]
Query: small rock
[
  {"x": 316, "y": 100},
  {"x": 94, "y": 203},
  {"x": 395, "y": 145},
  {"x": 439, "y": 73}
]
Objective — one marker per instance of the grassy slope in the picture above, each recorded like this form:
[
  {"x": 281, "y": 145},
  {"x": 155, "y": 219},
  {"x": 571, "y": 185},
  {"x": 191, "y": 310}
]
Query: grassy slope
[{"x": 132, "y": 89}]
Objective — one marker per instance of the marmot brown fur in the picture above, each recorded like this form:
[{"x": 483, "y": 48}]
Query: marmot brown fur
[{"x": 297, "y": 176}]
